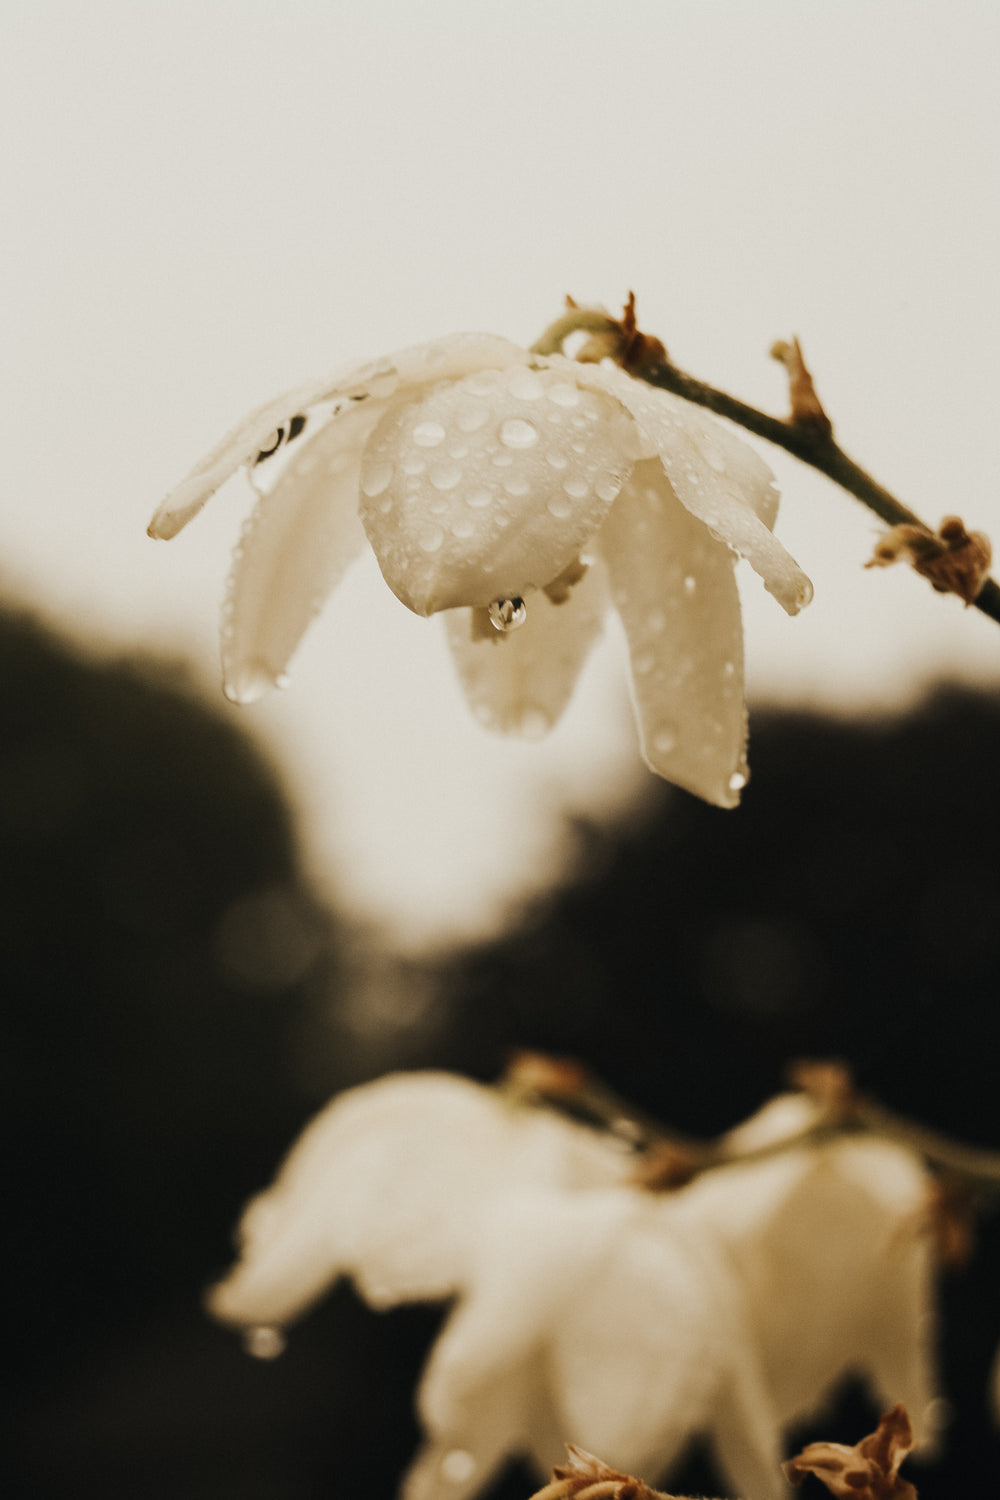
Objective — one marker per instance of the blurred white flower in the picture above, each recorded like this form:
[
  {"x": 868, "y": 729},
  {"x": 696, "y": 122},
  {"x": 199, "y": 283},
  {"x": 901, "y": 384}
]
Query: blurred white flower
[
  {"x": 522, "y": 494},
  {"x": 587, "y": 1309}
]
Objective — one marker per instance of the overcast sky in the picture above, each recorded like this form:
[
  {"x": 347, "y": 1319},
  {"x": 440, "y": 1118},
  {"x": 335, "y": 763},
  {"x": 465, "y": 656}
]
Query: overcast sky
[{"x": 206, "y": 202}]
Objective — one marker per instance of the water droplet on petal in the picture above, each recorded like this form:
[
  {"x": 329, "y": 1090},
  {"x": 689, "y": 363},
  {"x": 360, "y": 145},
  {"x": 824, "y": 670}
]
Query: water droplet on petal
[
  {"x": 264, "y": 1342},
  {"x": 516, "y": 484},
  {"x": 458, "y": 1466},
  {"x": 430, "y": 539},
  {"x": 483, "y": 382},
  {"x": 729, "y": 669},
  {"x": 413, "y": 464},
  {"x": 576, "y": 487},
  {"x": 738, "y": 781},
  {"x": 665, "y": 739},
  {"x": 563, "y": 394},
  {"x": 525, "y": 385},
  {"x": 656, "y": 621},
  {"x": 463, "y": 526},
  {"x": 507, "y": 614},
  {"x": 715, "y": 459},
  {"x": 517, "y": 433},
  {"x": 644, "y": 661},
  {"x": 559, "y": 506},
  {"x": 690, "y": 584},
  {"x": 445, "y": 476},
  {"x": 376, "y": 479},
  {"x": 479, "y": 499},
  {"x": 555, "y": 459},
  {"x": 472, "y": 417},
  {"x": 428, "y": 434},
  {"x": 607, "y": 487}
]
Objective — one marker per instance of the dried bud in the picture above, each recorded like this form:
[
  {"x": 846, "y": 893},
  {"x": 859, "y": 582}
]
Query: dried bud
[
  {"x": 828, "y": 1082},
  {"x": 587, "y": 1478},
  {"x": 666, "y": 1165},
  {"x": 537, "y": 1073},
  {"x": 955, "y": 561},
  {"x": 623, "y": 343},
  {"x": 951, "y": 1220},
  {"x": 868, "y": 1471},
  {"x": 807, "y": 410}
]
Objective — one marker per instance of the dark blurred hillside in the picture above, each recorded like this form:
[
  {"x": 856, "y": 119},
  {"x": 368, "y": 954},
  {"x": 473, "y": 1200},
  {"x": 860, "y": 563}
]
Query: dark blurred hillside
[{"x": 166, "y": 973}]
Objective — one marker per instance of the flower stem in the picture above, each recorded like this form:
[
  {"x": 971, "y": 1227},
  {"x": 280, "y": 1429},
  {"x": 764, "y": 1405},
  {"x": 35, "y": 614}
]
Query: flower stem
[{"x": 806, "y": 442}]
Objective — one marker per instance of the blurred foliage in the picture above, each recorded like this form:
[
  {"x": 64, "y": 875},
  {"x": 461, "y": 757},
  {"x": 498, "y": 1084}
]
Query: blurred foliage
[{"x": 175, "y": 1005}]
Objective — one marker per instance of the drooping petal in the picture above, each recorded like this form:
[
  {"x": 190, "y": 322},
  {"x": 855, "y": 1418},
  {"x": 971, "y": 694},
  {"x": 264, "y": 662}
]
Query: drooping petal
[
  {"x": 295, "y": 548},
  {"x": 385, "y": 1185},
  {"x": 674, "y": 588},
  {"x": 715, "y": 475},
  {"x": 490, "y": 485},
  {"x": 241, "y": 444},
  {"x": 520, "y": 683},
  {"x": 422, "y": 364}
]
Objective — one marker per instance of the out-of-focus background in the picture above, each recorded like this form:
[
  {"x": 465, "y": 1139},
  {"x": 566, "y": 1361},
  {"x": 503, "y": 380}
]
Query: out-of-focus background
[{"x": 213, "y": 917}]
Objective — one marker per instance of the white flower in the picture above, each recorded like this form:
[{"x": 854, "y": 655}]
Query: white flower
[
  {"x": 588, "y": 1310},
  {"x": 522, "y": 494}
]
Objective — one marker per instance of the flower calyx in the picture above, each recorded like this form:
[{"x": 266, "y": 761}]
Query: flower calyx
[
  {"x": 623, "y": 342},
  {"x": 587, "y": 1478},
  {"x": 954, "y": 560},
  {"x": 869, "y": 1470}
]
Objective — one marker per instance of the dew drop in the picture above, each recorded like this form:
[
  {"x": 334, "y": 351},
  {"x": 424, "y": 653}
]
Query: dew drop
[
  {"x": 445, "y": 476},
  {"x": 559, "y": 506},
  {"x": 656, "y": 621},
  {"x": 264, "y": 1341},
  {"x": 413, "y": 464},
  {"x": 463, "y": 526},
  {"x": 525, "y": 385},
  {"x": 507, "y": 614},
  {"x": 430, "y": 539},
  {"x": 738, "y": 781},
  {"x": 479, "y": 499},
  {"x": 517, "y": 433},
  {"x": 643, "y": 662},
  {"x": 714, "y": 459},
  {"x": 690, "y": 584},
  {"x": 458, "y": 1466},
  {"x": 377, "y": 479},
  {"x": 665, "y": 739},
  {"x": 555, "y": 459},
  {"x": 607, "y": 487},
  {"x": 428, "y": 434},
  {"x": 576, "y": 487},
  {"x": 729, "y": 669},
  {"x": 472, "y": 417},
  {"x": 563, "y": 394},
  {"x": 516, "y": 484},
  {"x": 483, "y": 382}
]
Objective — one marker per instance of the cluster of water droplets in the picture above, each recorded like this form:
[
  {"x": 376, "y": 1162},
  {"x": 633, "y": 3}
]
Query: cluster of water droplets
[{"x": 491, "y": 482}]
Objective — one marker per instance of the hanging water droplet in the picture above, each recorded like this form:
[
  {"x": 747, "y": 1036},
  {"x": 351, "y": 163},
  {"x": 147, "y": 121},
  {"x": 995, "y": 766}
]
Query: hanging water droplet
[
  {"x": 428, "y": 434},
  {"x": 738, "y": 781},
  {"x": 507, "y": 614},
  {"x": 517, "y": 433},
  {"x": 264, "y": 1342}
]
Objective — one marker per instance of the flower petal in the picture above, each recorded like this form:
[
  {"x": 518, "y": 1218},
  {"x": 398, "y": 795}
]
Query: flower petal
[
  {"x": 715, "y": 475},
  {"x": 520, "y": 683},
  {"x": 241, "y": 444},
  {"x": 419, "y": 365},
  {"x": 490, "y": 485},
  {"x": 674, "y": 588},
  {"x": 295, "y": 548}
]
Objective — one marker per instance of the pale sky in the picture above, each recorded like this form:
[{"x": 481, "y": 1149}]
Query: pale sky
[{"x": 207, "y": 202}]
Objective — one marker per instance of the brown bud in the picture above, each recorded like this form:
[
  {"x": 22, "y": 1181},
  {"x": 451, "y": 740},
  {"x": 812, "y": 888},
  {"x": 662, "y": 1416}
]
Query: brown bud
[
  {"x": 869, "y": 1470},
  {"x": 954, "y": 560},
  {"x": 807, "y": 409}
]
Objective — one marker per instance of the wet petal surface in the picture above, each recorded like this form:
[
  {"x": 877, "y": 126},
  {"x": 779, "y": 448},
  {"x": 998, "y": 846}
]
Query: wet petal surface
[
  {"x": 490, "y": 485},
  {"x": 674, "y": 588}
]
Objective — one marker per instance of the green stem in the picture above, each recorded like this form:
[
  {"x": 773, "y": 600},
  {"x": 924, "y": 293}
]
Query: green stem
[{"x": 806, "y": 443}]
